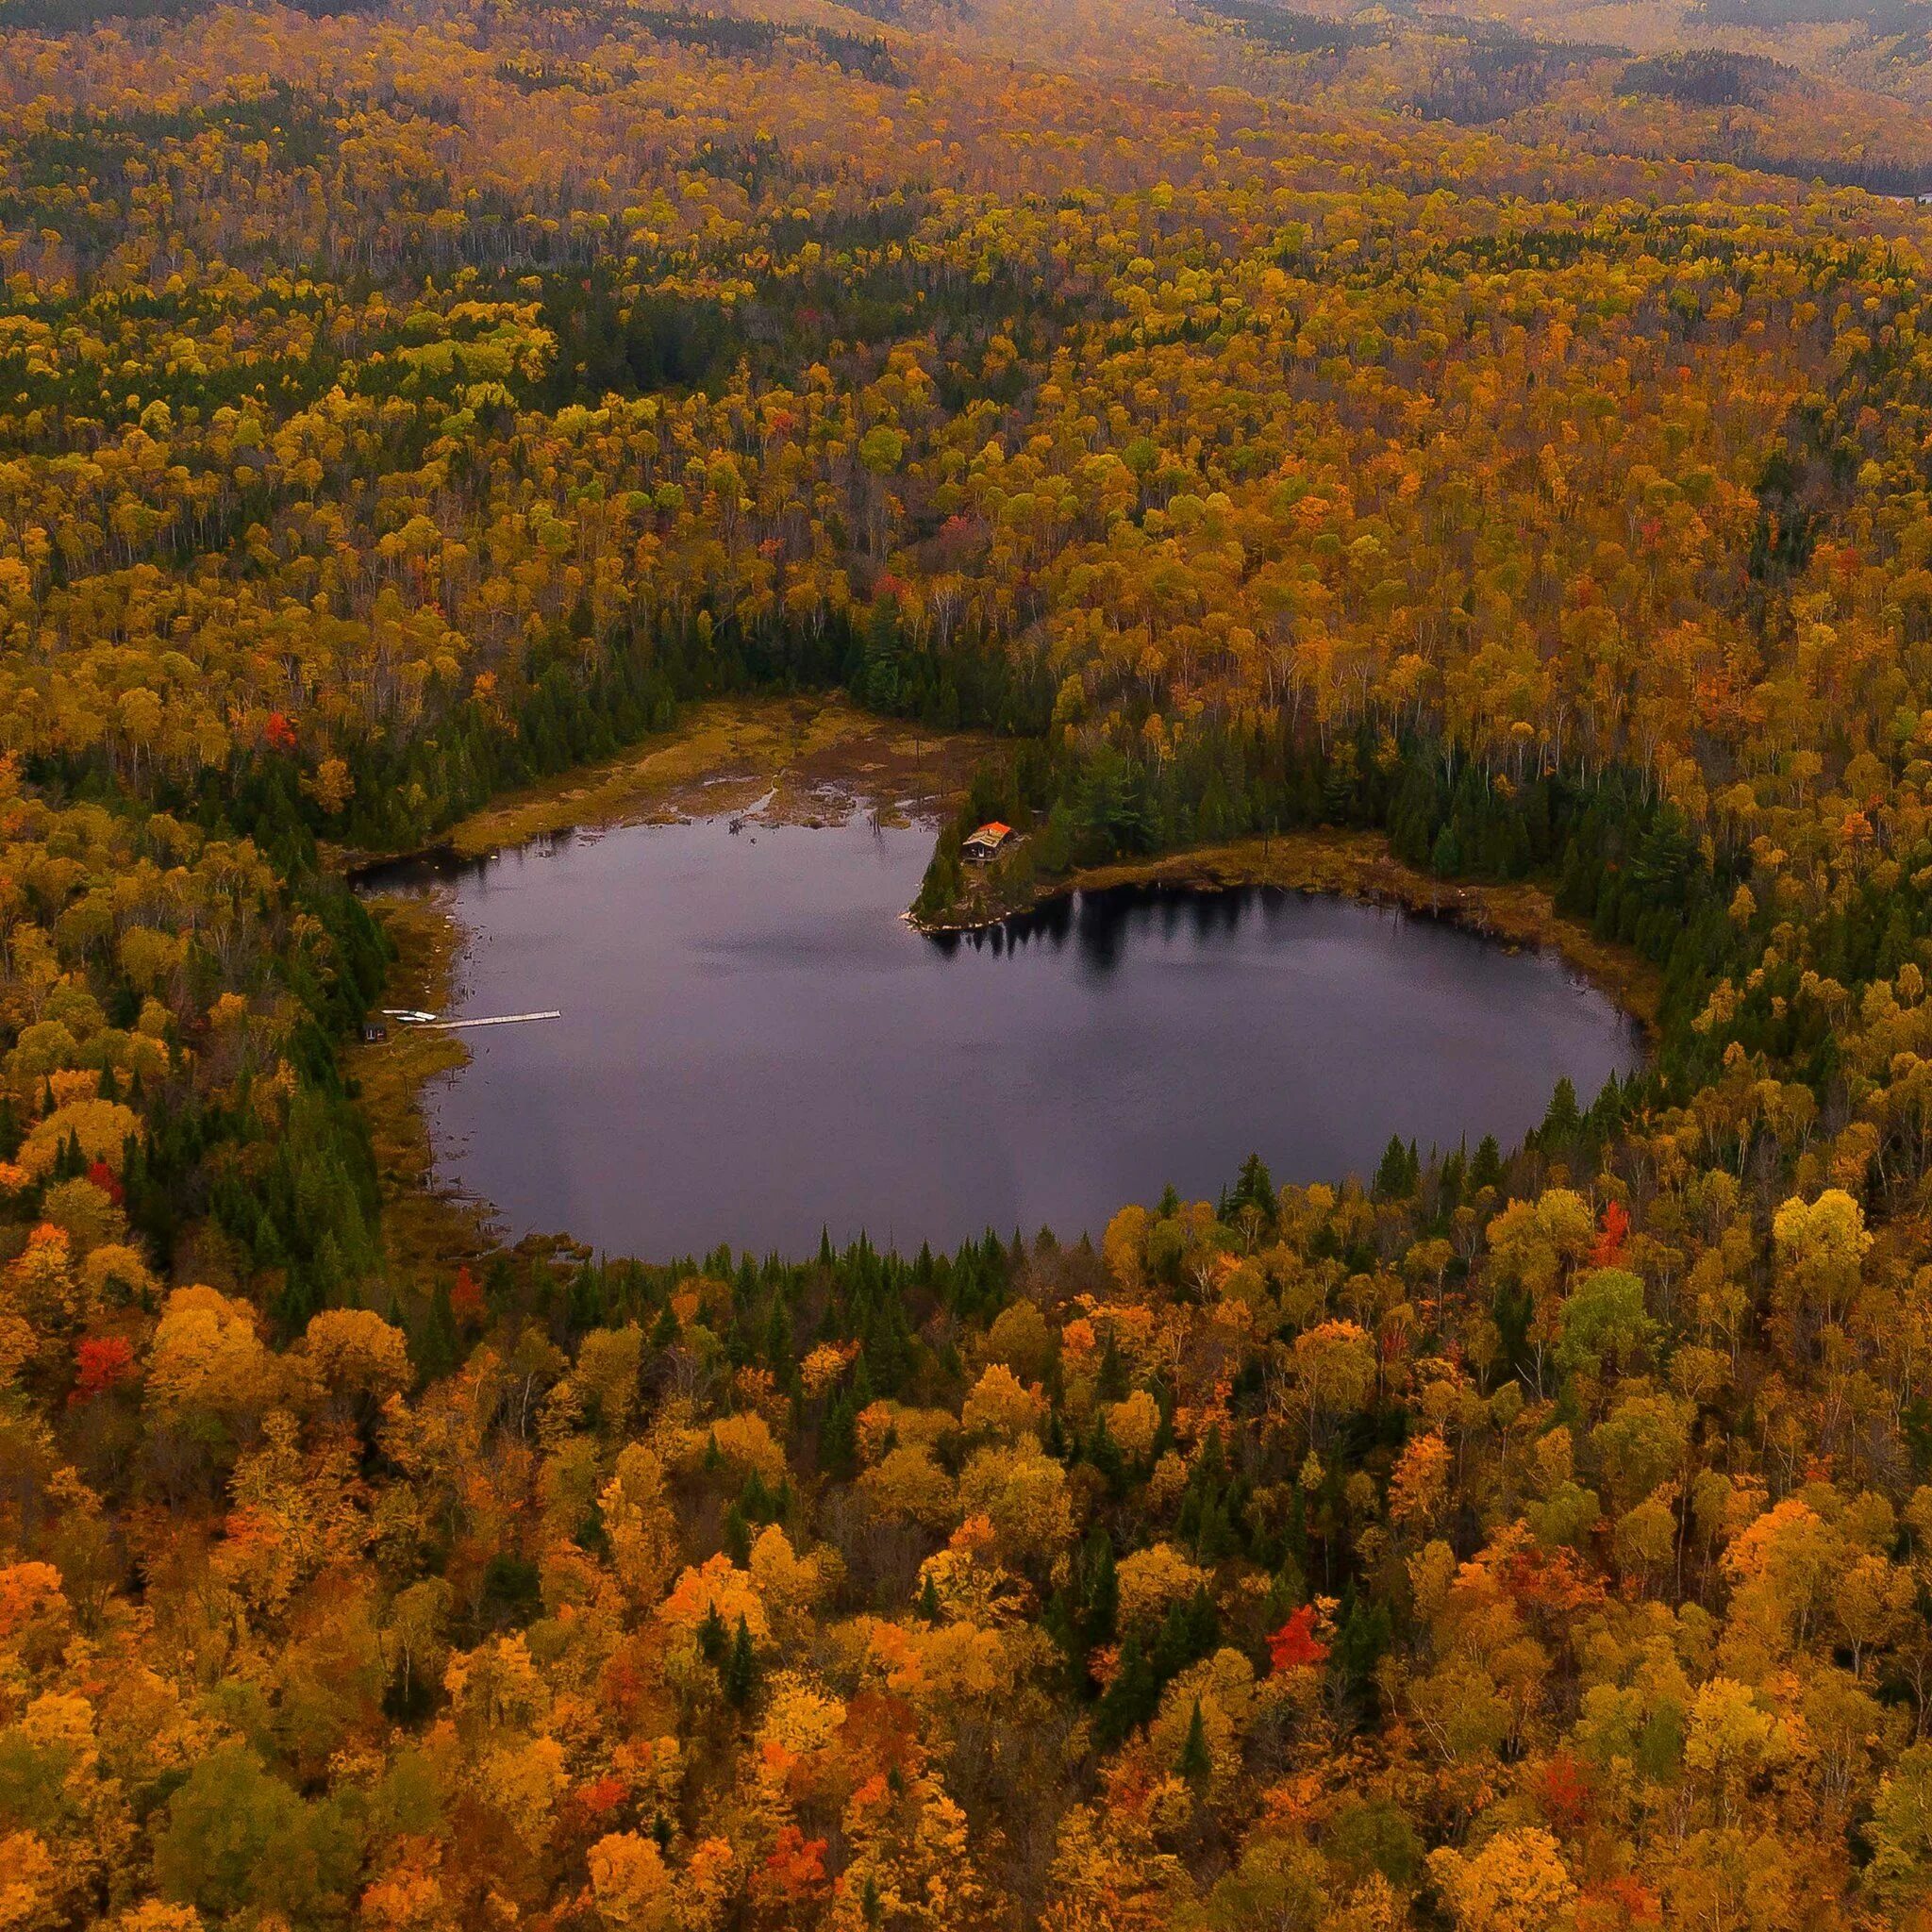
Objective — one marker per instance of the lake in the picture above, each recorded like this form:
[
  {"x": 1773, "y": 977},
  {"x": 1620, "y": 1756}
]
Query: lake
[{"x": 755, "y": 1046}]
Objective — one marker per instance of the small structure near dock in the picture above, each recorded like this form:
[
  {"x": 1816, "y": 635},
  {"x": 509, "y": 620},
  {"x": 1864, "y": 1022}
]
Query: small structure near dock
[{"x": 986, "y": 844}]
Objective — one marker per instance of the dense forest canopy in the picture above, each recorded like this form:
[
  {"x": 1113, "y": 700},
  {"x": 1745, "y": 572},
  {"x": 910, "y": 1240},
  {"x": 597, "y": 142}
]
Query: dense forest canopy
[{"x": 1509, "y": 435}]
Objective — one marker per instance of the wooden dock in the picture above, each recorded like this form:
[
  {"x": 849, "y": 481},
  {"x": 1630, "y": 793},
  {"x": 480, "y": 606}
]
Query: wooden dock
[
  {"x": 409, "y": 1016},
  {"x": 498, "y": 1019}
]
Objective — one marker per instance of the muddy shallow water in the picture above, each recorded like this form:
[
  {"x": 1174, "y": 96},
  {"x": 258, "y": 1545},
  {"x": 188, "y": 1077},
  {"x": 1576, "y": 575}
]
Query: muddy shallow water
[{"x": 756, "y": 1046}]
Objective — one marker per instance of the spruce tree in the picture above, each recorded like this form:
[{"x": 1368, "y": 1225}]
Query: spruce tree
[
  {"x": 1103, "y": 1590},
  {"x": 1254, "y": 1192},
  {"x": 1392, "y": 1177},
  {"x": 740, "y": 1673},
  {"x": 838, "y": 1439},
  {"x": 1486, "y": 1171},
  {"x": 1196, "y": 1766},
  {"x": 711, "y": 1639},
  {"x": 1129, "y": 1701},
  {"x": 1564, "y": 1119}
]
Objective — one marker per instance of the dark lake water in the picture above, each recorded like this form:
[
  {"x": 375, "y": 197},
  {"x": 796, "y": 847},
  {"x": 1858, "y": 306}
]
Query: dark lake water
[{"x": 755, "y": 1046}]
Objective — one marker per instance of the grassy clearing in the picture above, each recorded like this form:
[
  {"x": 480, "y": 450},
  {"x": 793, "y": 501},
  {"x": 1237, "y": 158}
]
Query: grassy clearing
[{"x": 818, "y": 761}]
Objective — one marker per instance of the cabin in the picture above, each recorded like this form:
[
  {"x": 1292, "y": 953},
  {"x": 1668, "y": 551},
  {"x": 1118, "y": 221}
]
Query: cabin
[
  {"x": 374, "y": 1031},
  {"x": 986, "y": 844}
]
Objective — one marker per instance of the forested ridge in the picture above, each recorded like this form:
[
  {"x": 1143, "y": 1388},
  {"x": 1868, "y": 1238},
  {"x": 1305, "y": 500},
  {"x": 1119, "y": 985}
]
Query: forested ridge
[{"x": 1510, "y": 438}]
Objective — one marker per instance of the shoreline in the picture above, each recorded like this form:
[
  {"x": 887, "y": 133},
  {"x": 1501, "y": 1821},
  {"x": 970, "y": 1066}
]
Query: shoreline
[
  {"x": 793, "y": 761},
  {"x": 805, "y": 761},
  {"x": 425, "y": 1224},
  {"x": 1359, "y": 866},
  {"x": 814, "y": 769},
  {"x": 788, "y": 760}
]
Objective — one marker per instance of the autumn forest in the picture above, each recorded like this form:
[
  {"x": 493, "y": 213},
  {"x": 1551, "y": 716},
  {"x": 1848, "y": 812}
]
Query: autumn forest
[{"x": 1507, "y": 438}]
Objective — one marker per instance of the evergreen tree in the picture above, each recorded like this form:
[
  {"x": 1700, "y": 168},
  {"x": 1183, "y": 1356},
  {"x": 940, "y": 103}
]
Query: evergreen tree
[
  {"x": 838, "y": 1439},
  {"x": 1102, "y": 1588},
  {"x": 1129, "y": 1701},
  {"x": 1392, "y": 1177},
  {"x": 1187, "y": 1633},
  {"x": 1253, "y": 1194},
  {"x": 1195, "y": 1765},
  {"x": 739, "y": 1674},
  {"x": 1562, "y": 1121},
  {"x": 1486, "y": 1170},
  {"x": 1104, "y": 1454},
  {"x": 712, "y": 1637}
]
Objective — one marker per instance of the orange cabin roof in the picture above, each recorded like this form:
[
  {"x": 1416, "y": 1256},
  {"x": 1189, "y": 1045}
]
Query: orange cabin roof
[{"x": 994, "y": 830}]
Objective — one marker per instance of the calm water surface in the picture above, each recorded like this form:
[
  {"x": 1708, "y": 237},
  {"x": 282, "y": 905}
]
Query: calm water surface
[{"x": 753, "y": 1045}]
